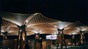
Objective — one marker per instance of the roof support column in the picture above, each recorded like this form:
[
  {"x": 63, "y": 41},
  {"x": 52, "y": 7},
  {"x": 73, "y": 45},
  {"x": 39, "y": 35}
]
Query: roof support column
[
  {"x": 63, "y": 43},
  {"x": 21, "y": 37},
  {"x": 82, "y": 37}
]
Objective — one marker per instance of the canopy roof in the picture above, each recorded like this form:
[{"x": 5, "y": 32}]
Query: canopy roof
[
  {"x": 38, "y": 18},
  {"x": 15, "y": 18},
  {"x": 9, "y": 27},
  {"x": 36, "y": 23}
]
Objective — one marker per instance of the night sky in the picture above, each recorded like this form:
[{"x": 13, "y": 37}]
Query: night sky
[{"x": 65, "y": 10}]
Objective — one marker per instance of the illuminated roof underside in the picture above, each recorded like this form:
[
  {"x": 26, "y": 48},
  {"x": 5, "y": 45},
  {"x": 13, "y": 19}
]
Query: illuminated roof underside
[
  {"x": 10, "y": 27},
  {"x": 36, "y": 23},
  {"x": 41, "y": 24},
  {"x": 38, "y": 18},
  {"x": 16, "y": 18},
  {"x": 72, "y": 31}
]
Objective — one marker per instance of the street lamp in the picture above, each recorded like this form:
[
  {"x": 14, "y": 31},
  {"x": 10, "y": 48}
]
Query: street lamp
[{"x": 60, "y": 27}]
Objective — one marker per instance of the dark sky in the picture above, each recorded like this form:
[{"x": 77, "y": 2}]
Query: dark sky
[{"x": 66, "y": 10}]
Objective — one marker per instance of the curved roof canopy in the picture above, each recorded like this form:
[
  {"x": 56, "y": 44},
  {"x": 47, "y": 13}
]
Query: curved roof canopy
[
  {"x": 72, "y": 31},
  {"x": 38, "y": 18},
  {"x": 61, "y": 24},
  {"x": 83, "y": 28},
  {"x": 8, "y": 26},
  {"x": 15, "y": 18},
  {"x": 36, "y": 23}
]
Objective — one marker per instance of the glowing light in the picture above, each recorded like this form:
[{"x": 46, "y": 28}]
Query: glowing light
[
  {"x": 26, "y": 21},
  {"x": 36, "y": 31},
  {"x": 20, "y": 30},
  {"x": 62, "y": 25},
  {"x": 37, "y": 36},
  {"x": 73, "y": 33},
  {"x": 2, "y": 31},
  {"x": 13, "y": 32},
  {"x": 83, "y": 28},
  {"x": 36, "y": 14}
]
